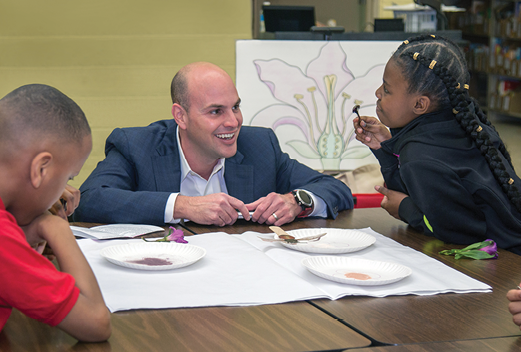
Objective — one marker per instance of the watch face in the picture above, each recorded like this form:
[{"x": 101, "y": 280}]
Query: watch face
[{"x": 306, "y": 199}]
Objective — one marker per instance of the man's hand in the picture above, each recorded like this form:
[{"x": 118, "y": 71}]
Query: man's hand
[
  {"x": 283, "y": 206},
  {"x": 514, "y": 296},
  {"x": 370, "y": 131},
  {"x": 391, "y": 201},
  {"x": 217, "y": 209},
  {"x": 68, "y": 202}
]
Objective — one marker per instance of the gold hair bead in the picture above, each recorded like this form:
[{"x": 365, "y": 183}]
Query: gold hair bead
[
  {"x": 510, "y": 181},
  {"x": 455, "y": 111},
  {"x": 432, "y": 35},
  {"x": 479, "y": 129},
  {"x": 415, "y": 56},
  {"x": 406, "y": 42},
  {"x": 458, "y": 86},
  {"x": 466, "y": 86},
  {"x": 433, "y": 62}
]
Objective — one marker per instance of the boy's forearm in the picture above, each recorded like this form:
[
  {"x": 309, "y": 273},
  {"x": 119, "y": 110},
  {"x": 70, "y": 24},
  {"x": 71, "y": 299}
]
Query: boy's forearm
[
  {"x": 71, "y": 259},
  {"x": 89, "y": 319}
]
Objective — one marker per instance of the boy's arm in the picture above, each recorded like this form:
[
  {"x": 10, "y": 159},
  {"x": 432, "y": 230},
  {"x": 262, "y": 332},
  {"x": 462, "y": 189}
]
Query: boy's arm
[{"x": 89, "y": 319}]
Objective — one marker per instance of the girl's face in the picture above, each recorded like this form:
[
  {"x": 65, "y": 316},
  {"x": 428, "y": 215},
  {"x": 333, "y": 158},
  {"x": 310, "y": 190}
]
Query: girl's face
[{"x": 395, "y": 107}]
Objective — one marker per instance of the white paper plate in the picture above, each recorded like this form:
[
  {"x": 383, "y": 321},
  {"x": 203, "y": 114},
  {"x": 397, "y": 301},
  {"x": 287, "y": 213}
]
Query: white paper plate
[
  {"x": 336, "y": 241},
  {"x": 153, "y": 255},
  {"x": 356, "y": 271}
]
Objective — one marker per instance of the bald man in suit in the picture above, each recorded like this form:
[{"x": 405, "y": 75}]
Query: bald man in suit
[{"x": 204, "y": 166}]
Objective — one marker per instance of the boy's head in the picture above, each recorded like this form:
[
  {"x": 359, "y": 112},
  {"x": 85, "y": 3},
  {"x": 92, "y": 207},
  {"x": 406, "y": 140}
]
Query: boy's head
[{"x": 44, "y": 141}]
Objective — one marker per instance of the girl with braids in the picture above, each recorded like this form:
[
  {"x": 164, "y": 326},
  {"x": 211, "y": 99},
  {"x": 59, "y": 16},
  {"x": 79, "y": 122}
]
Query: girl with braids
[{"x": 447, "y": 172}]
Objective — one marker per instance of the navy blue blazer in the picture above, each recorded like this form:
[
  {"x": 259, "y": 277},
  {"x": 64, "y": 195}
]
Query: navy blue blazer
[{"x": 142, "y": 169}]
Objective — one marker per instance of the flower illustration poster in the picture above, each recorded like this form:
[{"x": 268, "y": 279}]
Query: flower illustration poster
[{"x": 306, "y": 90}]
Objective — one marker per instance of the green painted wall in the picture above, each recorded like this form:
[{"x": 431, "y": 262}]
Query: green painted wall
[{"x": 115, "y": 58}]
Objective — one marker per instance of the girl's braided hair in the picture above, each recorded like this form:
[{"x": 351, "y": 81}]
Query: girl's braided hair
[{"x": 435, "y": 66}]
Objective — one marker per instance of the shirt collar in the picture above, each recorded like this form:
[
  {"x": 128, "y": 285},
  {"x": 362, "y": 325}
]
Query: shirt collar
[{"x": 185, "y": 167}]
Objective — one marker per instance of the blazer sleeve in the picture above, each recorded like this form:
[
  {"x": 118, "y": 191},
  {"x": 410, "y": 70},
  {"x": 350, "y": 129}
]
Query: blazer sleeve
[
  {"x": 116, "y": 191},
  {"x": 291, "y": 175}
]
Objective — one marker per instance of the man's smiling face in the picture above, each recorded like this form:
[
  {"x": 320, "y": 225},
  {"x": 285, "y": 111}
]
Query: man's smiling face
[{"x": 214, "y": 118}]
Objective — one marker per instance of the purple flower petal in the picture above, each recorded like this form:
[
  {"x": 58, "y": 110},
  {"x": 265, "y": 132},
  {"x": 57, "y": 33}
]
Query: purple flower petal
[
  {"x": 176, "y": 236},
  {"x": 491, "y": 248}
]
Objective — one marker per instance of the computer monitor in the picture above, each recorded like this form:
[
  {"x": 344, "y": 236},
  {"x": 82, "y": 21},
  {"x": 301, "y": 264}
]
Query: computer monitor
[
  {"x": 389, "y": 25},
  {"x": 288, "y": 18}
]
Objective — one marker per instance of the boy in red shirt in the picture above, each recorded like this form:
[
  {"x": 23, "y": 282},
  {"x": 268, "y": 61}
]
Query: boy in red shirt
[{"x": 44, "y": 141}]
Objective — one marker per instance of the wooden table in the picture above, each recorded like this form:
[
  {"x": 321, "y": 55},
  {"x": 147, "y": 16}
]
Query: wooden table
[
  {"x": 296, "y": 326},
  {"x": 417, "y": 319},
  {"x": 500, "y": 344},
  {"x": 447, "y": 322}
]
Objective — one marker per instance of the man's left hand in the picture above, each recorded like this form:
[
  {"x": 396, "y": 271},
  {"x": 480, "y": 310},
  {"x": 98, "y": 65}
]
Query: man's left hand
[{"x": 274, "y": 209}]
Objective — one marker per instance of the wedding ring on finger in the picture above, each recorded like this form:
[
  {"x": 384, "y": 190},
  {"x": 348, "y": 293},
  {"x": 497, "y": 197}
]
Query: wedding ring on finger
[{"x": 275, "y": 216}]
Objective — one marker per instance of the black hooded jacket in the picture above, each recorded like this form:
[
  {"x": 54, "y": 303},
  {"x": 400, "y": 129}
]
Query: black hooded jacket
[{"x": 453, "y": 194}]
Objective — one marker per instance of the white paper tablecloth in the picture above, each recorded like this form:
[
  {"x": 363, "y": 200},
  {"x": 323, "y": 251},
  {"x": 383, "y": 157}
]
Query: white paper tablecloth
[{"x": 241, "y": 270}]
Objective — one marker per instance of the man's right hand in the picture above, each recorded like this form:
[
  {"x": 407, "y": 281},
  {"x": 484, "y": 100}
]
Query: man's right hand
[{"x": 217, "y": 209}]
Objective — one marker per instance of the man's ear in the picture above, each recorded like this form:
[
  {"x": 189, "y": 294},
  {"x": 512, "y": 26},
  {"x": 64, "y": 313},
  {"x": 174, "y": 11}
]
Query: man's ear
[
  {"x": 40, "y": 168},
  {"x": 423, "y": 104},
  {"x": 179, "y": 114}
]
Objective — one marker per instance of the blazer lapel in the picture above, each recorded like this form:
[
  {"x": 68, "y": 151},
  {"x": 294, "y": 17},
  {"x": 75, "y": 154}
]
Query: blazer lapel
[
  {"x": 239, "y": 178},
  {"x": 167, "y": 173},
  {"x": 166, "y": 165}
]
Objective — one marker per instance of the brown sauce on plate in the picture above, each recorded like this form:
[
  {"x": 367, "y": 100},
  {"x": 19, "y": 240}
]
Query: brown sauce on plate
[
  {"x": 357, "y": 276},
  {"x": 150, "y": 261}
]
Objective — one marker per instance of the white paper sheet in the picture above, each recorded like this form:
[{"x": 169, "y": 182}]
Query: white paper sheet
[
  {"x": 113, "y": 231},
  {"x": 241, "y": 270}
]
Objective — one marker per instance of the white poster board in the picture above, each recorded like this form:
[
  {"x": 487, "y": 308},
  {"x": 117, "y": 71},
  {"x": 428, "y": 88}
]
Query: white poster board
[{"x": 306, "y": 90}]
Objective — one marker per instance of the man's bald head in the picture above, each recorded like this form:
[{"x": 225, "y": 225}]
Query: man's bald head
[
  {"x": 37, "y": 112},
  {"x": 180, "y": 88}
]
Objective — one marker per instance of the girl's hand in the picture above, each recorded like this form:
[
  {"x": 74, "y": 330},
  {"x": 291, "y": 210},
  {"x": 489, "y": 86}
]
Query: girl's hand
[
  {"x": 391, "y": 201},
  {"x": 370, "y": 131},
  {"x": 514, "y": 296}
]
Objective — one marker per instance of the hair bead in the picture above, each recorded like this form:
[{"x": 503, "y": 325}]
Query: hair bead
[
  {"x": 433, "y": 62},
  {"x": 479, "y": 129},
  {"x": 458, "y": 86},
  {"x": 466, "y": 86},
  {"x": 432, "y": 35},
  {"x": 510, "y": 181},
  {"x": 415, "y": 56},
  {"x": 455, "y": 112},
  {"x": 406, "y": 42}
]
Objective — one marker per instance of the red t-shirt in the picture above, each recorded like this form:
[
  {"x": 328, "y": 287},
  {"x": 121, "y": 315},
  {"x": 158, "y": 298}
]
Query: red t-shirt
[{"x": 29, "y": 282}]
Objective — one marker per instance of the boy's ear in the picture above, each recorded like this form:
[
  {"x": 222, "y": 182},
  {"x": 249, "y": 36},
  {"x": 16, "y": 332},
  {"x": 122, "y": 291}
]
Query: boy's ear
[
  {"x": 423, "y": 104},
  {"x": 179, "y": 114},
  {"x": 40, "y": 168}
]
